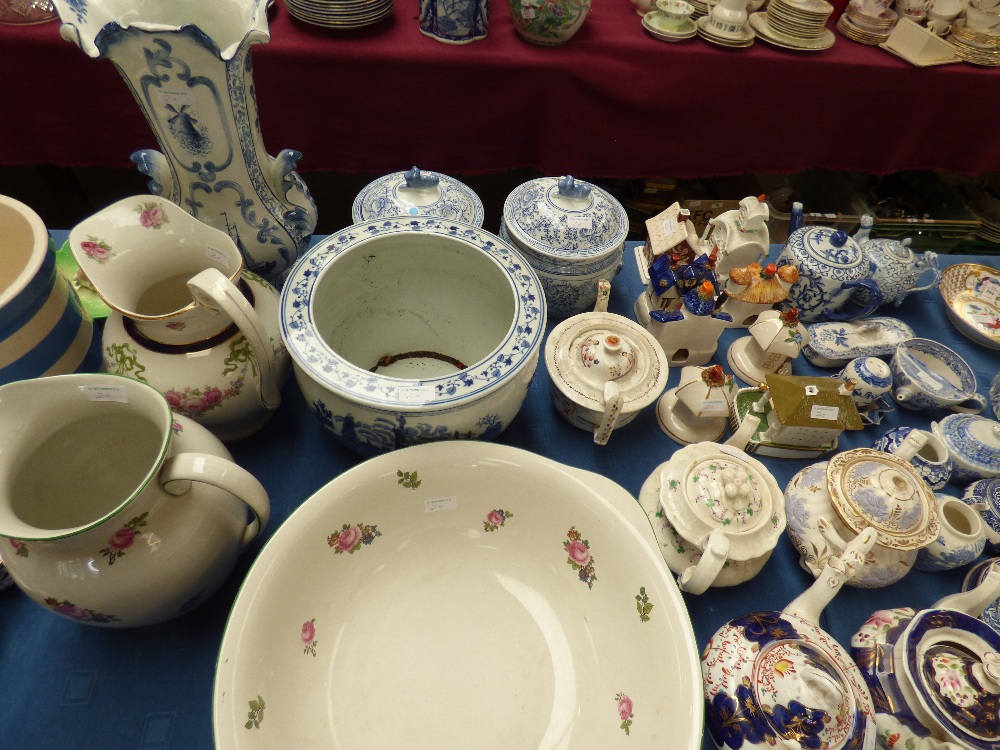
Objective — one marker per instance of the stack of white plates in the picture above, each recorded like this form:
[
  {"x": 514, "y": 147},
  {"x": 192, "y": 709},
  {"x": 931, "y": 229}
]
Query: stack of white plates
[
  {"x": 795, "y": 24},
  {"x": 741, "y": 37},
  {"x": 975, "y": 47},
  {"x": 865, "y": 29},
  {"x": 339, "y": 14}
]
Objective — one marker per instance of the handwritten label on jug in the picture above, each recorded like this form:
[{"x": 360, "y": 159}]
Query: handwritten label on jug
[
  {"x": 177, "y": 99},
  {"x": 824, "y": 412},
  {"x": 115, "y": 393},
  {"x": 217, "y": 256},
  {"x": 580, "y": 222},
  {"x": 441, "y": 503}
]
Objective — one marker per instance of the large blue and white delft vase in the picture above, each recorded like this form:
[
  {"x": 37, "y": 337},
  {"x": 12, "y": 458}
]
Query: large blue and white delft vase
[{"x": 187, "y": 62}]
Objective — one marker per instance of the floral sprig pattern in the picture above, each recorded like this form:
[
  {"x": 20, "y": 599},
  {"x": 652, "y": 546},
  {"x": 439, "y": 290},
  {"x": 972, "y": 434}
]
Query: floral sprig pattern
[
  {"x": 495, "y": 519},
  {"x": 151, "y": 216},
  {"x": 643, "y": 605},
  {"x": 408, "y": 479},
  {"x": 68, "y": 609},
  {"x": 350, "y": 537},
  {"x": 96, "y": 249},
  {"x": 625, "y": 711},
  {"x": 578, "y": 556},
  {"x": 20, "y": 548},
  {"x": 256, "y": 713},
  {"x": 309, "y": 637},
  {"x": 124, "y": 538}
]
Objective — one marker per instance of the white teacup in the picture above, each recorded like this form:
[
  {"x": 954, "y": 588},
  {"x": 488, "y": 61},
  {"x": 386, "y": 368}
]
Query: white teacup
[
  {"x": 988, "y": 6},
  {"x": 982, "y": 21},
  {"x": 873, "y": 8},
  {"x": 727, "y": 16},
  {"x": 915, "y": 9},
  {"x": 938, "y": 26},
  {"x": 674, "y": 13},
  {"x": 945, "y": 10}
]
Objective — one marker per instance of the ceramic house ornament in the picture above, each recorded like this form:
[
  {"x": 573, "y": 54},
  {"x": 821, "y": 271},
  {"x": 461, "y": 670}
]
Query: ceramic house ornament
[
  {"x": 720, "y": 504},
  {"x": 776, "y": 679},
  {"x": 774, "y": 341},
  {"x": 741, "y": 235},
  {"x": 792, "y": 416},
  {"x": 934, "y": 674},
  {"x": 697, "y": 410},
  {"x": 752, "y": 289}
]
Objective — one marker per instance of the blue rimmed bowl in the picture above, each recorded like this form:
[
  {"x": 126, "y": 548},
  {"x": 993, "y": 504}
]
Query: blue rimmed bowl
[{"x": 403, "y": 331}]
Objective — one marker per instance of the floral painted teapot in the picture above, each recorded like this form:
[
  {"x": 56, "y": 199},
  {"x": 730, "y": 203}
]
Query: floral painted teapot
[
  {"x": 776, "y": 679},
  {"x": 187, "y": 317},
  {"x": 934, "y": 675},
  {"x": 897, "y": 269}
]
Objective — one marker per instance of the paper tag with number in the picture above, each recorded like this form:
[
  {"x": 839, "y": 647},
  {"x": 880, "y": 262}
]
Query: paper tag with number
[
  {"x": 824, "y": 412},
  {"x": 714, "y": 406},
  {"x": 580, "y": 222},
  {"x": 217, "y": 256},
  {"x": 441, "y": 503},
  {"x": 115, "y": 393},
  {"x": 176, "y": 99},
  {"x": 415, "y": 394}
]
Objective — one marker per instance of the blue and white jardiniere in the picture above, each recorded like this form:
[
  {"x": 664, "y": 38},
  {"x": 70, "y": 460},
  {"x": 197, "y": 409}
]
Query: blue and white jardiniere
[
  {"x": 404, "y": 331},
  {"x": 188, "y": 64},
  {"x": 973, "y": 443},
  {"x": 984, "y": 496},
  {"x": 832, "y": 267},
  {"x": 929, "y": 375},
  {"x": 931, "y": 461}
]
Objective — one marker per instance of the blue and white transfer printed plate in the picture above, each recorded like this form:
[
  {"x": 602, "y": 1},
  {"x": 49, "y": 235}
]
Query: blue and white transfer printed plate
[
  {"x": 460, "y": 595},
  {"x": 835, "y": 344}
]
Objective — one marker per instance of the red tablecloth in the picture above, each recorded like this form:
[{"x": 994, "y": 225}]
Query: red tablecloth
[{"x": 613, "y": 102}]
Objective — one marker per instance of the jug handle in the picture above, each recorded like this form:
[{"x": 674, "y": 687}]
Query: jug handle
[
  {"x": 213, "y": 290},
  {"x": 928, "y": 262},
  {"x": 974, "y": 404},
  {"x": 179, "y": 471},
  {"x": 874, "y": 300},
  {"x": 613, "y": 403}
]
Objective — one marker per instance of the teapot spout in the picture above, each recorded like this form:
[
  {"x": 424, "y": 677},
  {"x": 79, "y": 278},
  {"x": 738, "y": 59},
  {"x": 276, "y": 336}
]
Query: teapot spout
[
  {"x": 837, "y": 571},
  {"x": 975, "y": 600}
]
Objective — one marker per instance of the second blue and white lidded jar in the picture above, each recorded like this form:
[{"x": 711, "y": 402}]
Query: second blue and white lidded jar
[
  {"x": 572, "y": 233},
  {"x": 418, "y": 193}
]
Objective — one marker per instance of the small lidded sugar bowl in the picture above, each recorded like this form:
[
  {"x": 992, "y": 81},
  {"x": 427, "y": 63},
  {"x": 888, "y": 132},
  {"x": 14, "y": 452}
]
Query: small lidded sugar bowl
[
  {"x": 829, "y": 502},
  {"x": 572, "y": 233},
  {"x": 603, "y": 369},
  {"x": 776, "y": 679},
  {"x": 973, "y": 443},
  {"x": 417, "y": 193},
  {"x": 717, "y": 514}
]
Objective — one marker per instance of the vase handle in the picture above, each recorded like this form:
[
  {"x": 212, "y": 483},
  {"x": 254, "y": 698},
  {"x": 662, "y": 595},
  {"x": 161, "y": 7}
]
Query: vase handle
[
  {"x": 213, "y": 290},
  {"x": 179, "y": 471}
]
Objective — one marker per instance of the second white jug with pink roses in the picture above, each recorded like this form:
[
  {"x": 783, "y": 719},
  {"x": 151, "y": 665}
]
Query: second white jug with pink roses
[{"x": 187, "y": 317}]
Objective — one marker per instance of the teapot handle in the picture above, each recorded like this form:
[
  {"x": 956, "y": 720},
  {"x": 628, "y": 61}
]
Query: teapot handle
[
  {"x": 697, "y": 578},
  {"x": 179, "y": 471},
  {"x": 928, "y": 263},
  {"x": 612, "y": 411},
  {"x": 214, "y": 291},
  {"x": 874, "y": 300}
]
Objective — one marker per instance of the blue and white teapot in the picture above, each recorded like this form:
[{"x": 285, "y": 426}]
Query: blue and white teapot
[
  {"x": 832, "y": 267},
  {"x": 897, "y": 269}
]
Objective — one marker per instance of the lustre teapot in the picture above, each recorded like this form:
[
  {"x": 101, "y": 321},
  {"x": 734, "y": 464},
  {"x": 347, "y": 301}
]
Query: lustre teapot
[
  {"x": 187, "y": 317},
  {"x": 897, "y": 270},
  {"x": 776, "y": 679},
  {"x": 832, "y": 267},
  {"x": 934, "y": 675}
]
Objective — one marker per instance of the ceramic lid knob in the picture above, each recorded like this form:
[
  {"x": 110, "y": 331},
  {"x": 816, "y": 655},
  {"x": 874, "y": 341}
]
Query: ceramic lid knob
[
  {"x": 606, "y": 356},
  {"x": 838, "y": 238}
]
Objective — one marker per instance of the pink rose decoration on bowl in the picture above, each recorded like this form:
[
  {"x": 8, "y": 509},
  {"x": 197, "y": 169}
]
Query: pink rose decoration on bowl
[
  {"x": 151, "y": 216},
  {"x": 578, "y": 556},
  {"x": 95, "y": 250},
  {"x": 578, "y": 552},
  {"x": 350, "y": 537},
  {"x": 121, "y": 539},
  {"x": 624, "y": 706},
  {"x": 308, "y": 631}
]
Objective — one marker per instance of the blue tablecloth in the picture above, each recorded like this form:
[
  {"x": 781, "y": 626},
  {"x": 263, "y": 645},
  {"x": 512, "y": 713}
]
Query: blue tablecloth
[{"x": 66, "y": 685}]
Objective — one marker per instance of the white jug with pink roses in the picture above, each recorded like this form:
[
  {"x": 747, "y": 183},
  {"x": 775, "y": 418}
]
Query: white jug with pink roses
[{"x": 187, "y": 316}]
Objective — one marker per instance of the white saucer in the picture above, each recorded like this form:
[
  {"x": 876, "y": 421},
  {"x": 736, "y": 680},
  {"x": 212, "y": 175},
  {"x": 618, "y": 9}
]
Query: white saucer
[
  {"x": 758, "y": 21},
  {"x": 710, "y": 35},
  {"x": 686, "y": 30}
]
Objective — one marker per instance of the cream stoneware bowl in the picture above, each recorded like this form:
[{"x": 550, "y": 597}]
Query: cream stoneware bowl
[
  {"x": 114, "y": 511},
  {"x": 410, "y": 330}
]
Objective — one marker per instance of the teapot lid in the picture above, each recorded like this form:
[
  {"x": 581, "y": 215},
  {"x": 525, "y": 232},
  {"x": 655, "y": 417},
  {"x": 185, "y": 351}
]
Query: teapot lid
[
  {"x": 707, "y": 486},
  {"x": 871, "y": 488},
  {"x": 819, "y": 249},
  {"x": 973, "y": 439},
  {"x": 418, "y": 193},
  {"x": 794, "y": 682},
  {"x": 953, "y": 662},
  {"x": 565, "y": 219},
  {"x": 586, "y": 351}
]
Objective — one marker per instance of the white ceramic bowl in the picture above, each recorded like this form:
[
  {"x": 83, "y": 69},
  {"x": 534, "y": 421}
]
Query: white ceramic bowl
[
  {"x": 409, "y": 330},
  {"x": 418, "y": 193},
  {"x": 531, "y": 609},
  {"x": 44, "y": 330}
]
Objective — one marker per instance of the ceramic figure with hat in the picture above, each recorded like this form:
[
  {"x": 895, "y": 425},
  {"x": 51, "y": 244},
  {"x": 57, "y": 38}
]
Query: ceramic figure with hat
[
  {"x": 697, "y": 410},
  {"x": 773, "y": 342}
]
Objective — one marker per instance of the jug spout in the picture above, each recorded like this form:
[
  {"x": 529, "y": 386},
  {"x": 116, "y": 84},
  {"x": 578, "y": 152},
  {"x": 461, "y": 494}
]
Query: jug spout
[{"x": 974, "y": 601}]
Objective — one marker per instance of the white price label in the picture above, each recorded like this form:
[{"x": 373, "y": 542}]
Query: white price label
[
  {"x": 669, "y": 227},
  {"x": 824, "y": 412},
  {"x": 176, "y": 99},
  {"x": 115, "y": 393},
  {"x": 441, "y": 503},
  {"x": 989, "y": 288},
  {"x": 415, "y": 394},
  {"x": 217, "y": 256},
  {"x": 714, "y": 406},
  {"x": 580, "y": 222}
]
